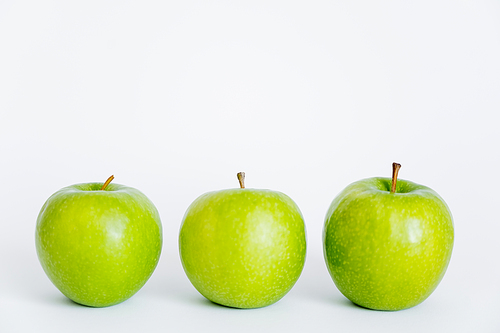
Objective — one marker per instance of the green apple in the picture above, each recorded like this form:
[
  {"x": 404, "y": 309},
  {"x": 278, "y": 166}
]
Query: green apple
[
  {"x": 243, "y": 248},
  {"x": 387, "y": 243},
  {"x": 98, "y": 243}
]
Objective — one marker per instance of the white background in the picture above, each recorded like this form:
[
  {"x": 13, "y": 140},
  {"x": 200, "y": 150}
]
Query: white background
[{"x": 175, "y": 97}]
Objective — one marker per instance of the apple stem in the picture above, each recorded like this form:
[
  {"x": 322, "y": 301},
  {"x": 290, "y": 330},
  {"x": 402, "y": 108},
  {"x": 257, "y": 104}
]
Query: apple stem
[
  {"x": 107, "y": 182},
  {"x": 395, "y": 170},
  {"x": 241, "y": 179}
]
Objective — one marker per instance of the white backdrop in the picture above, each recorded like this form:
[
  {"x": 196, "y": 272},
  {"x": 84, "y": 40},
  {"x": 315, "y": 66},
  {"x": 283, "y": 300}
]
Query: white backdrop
[{"x": 174, "y": 98}]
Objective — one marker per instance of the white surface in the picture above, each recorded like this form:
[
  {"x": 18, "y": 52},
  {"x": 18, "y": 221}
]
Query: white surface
[{"x": 174, "y": 98}]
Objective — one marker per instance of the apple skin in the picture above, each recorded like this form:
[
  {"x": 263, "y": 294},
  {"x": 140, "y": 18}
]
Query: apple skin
[
  {"x": 387, "y": 251},
  {"x": 98, "y": 247},
  {"x": 243, "y": 248}
]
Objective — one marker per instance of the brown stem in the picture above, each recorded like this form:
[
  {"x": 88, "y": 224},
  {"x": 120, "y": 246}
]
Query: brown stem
[
  {"x": 241, "y": 179},
  {"x": 395, "y": 170},
  {"x": 107, "y": 182}
]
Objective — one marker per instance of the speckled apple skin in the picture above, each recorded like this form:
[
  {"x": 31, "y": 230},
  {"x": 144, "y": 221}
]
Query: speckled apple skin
[
  {"x": 243, "y": 248},
  {"x": 387, "y": 251},
  {"x": 98, "y": 247}
]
